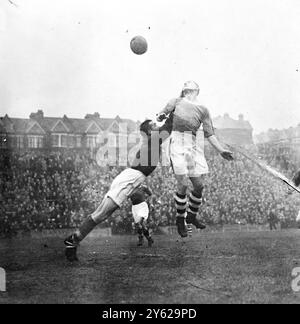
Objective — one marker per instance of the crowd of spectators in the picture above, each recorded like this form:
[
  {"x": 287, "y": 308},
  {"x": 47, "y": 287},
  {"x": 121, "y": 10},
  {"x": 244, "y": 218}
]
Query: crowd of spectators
[
  {"x": 41, "y": 190},
  {"x": 283, "y": 156}
]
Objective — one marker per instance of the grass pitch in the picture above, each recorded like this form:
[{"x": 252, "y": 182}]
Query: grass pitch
[{"x": 237, "y": 267}]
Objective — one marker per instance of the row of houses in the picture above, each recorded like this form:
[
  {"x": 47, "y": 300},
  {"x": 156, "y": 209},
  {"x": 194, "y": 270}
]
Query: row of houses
[
  {"x": 289, "y": 135},
  {"x": 233, "y": 131},
  {"x": 39, "y": 131},
  {"x": 54, "y": 132}
]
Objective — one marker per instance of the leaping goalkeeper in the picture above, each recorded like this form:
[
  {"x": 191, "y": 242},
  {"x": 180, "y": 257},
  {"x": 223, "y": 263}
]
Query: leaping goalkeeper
[{"x": 187, "y": 154}]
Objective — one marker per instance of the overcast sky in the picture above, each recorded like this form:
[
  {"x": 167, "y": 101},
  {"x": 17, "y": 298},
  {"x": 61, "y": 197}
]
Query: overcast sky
[{"x": 72, "y": 57}]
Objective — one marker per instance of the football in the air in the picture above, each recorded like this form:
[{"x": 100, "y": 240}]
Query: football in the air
[{"x": 138, "y": 45}]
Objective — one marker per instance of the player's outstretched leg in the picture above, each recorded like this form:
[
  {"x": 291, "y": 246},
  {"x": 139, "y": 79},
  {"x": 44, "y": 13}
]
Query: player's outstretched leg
[
  {"x": 72, "y": 242},
  {"x": 181, "y": 204},
  {"x": 106, "y": 209}
]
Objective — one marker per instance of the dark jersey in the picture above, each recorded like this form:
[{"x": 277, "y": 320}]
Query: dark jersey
[
  {"x": 140, "y": 195},
  {"x": 148, "y": 156}
]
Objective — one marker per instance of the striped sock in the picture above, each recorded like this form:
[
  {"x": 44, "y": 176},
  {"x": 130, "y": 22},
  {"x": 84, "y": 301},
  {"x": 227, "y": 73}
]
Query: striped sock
[
  {"x": 195, "y": 201},
  {"x": 180, "y": 204}
]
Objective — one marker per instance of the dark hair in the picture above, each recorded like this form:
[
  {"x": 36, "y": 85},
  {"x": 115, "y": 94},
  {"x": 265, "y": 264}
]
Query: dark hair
[{"x": 145, "y": 126}]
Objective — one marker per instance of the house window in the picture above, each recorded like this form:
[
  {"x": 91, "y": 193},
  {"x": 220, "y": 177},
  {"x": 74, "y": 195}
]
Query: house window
[
  {"x": 78, "y": 141},
  {"x": 61, "y": 140},
  {"x": 122, "y": 140},
  {"x": 64, "y": 140},
  {"x": 112, "y": 140},
  {"x": 91, "y": 140},
  {"x": 35, "y": 141},
  {"x": 19, "y": 141},
  {"x": 55, "y": 140}
]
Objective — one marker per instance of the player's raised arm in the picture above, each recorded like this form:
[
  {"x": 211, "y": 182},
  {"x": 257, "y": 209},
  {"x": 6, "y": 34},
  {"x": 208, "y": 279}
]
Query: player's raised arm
[{"x": 167, "y": 110}]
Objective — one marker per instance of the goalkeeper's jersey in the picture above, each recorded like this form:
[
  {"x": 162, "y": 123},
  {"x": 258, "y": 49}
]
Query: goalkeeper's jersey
[
  {"x": 140, "y": 195},
  {"x": 189, "y": 116},
  {"x": 148, "y": 156}
]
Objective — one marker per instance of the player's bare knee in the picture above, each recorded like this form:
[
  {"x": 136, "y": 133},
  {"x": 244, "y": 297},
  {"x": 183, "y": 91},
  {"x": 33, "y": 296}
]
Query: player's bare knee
[
  {"x": 198, "y": 189},
  {"x": 105, "y": 210},
  {"x": 96, "y": 217},
  {"x": 197, "y": 186},
  {"x": 182, "y": 189},
  {"x": 182, "y": 186}
]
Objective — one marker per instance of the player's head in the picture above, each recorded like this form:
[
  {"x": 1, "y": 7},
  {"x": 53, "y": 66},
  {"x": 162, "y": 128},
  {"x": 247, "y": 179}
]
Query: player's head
[
  {"x": 147, "y": 127},
  {"x": 190, "y": 87}
]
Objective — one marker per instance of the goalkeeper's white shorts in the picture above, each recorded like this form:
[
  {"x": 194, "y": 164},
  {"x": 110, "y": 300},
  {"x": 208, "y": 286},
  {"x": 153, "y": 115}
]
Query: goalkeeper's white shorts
[
  {"x": 140, "y": 211},
  {"x": 124, "y": 185},
  {"x": 187, "y": 155}
]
